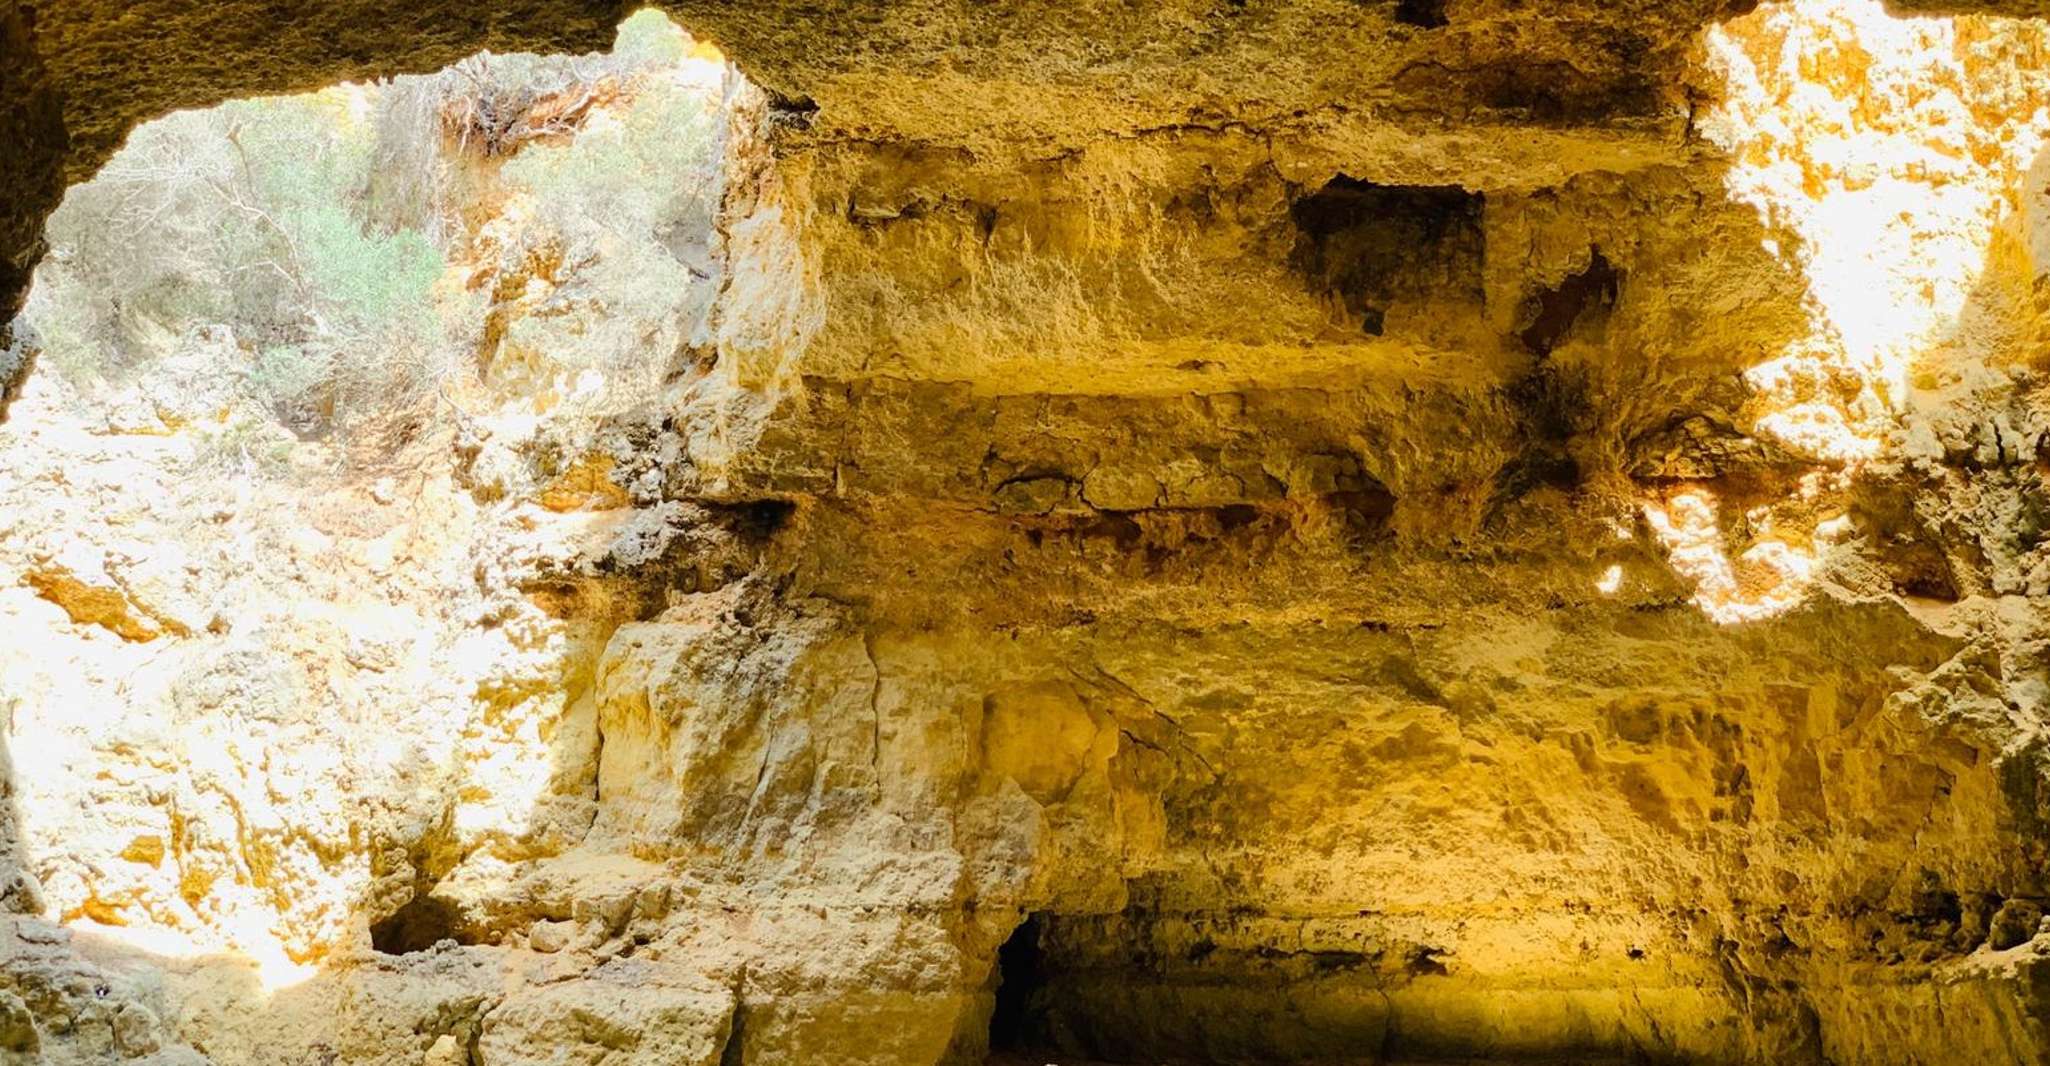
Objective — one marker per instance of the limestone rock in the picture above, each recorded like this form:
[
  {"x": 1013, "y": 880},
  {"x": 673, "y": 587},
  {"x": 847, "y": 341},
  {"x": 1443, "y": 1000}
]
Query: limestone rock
[
  {"x": 1237, "y": 532},
  {"x": 620, "y": 1013},
  {"x": 550, "y": 937},
  {"x": 18, "y": 1034}
]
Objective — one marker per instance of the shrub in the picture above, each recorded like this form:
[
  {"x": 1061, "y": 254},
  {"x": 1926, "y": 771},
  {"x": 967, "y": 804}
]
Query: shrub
[
  {"x": 240, "y": 218},
  {"x": 313, "y": 231}
]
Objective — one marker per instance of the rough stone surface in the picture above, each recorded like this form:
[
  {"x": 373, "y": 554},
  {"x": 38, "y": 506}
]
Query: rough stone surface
[{"x": 1237, "y": 532}]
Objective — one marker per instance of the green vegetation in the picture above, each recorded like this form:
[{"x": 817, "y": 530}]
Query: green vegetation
[
  {"x": 324, "y": 242},
  {"x": 240, "y": 219}
]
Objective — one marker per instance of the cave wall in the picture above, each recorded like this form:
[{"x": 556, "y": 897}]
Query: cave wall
[
  {"x": 1395, "y": 531},
  {"x": 1328, "y": 80}
]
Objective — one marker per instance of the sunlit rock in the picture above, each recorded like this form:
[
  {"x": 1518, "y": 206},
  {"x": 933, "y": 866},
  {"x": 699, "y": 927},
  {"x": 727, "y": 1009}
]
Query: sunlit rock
[{"x": 1244, "y": 533}]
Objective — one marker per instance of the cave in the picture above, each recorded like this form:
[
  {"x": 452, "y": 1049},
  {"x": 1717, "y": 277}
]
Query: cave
[
  {"x": 1255, "y": 534},
  {"x": 1016, "y": 1021},
  {"x": 1369, "y": 245},
  {"x": 418, "y": 926},
  {"x": 1581, "y": 300},
  {"x": 1423, "y": 14}
]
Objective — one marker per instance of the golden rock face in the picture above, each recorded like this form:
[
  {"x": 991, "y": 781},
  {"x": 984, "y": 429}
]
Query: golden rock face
[{"x": 1192, "y": 533}]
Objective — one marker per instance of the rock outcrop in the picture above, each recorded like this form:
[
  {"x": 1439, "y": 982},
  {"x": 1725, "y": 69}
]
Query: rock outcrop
[{"x": 1224, "y": 532}]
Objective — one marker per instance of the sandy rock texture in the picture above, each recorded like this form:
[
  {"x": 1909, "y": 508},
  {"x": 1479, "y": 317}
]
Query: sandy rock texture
[
  {"x": 1215, "y": 532},
  {"x": 1342, "y": 82}
]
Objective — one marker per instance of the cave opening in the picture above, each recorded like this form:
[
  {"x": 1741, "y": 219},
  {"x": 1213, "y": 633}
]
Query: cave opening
[
  {"x": 335, "y": 275},
  {"x": 1017, "y": 1021},
  {"x": 1376, "y": 249},
  {"x": 305, "y": 368},
  {"x": 1582, "y": 300},
  {"x": 1423, "y": 14},
  {"x": 424, "y": 921}
]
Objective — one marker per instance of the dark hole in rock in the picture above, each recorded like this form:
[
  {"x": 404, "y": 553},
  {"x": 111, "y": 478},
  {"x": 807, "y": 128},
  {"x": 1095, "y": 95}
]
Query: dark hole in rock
[
  {"x": 1017, "y": 1023},
  {"x": 1553, "y": 313},
  {"x": 794, "y": 112},
  {"x": 1427, "y": 962},
  {"x": 1930, "y": 585},
  {"x": 734, "y": 1051},
  {"x": 1426, "y": 14},
  {"x": 758, "y": 520},
  {"x": 1934, "y": 904},
  {"x": 1372, "y": 247},
  {"x": 1237, "y": 516},
  {"x": 1364, "y": 512},
  {"x": 1543, "y": 469},
  {"x": 2014, "y": 923},
  {"x": 1552, "y": 404},
  {"x": 419, "y": 925}
]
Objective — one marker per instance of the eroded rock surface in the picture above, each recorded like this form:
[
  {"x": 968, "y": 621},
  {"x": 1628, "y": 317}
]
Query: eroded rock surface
[{"x": 1222, "y": 533}]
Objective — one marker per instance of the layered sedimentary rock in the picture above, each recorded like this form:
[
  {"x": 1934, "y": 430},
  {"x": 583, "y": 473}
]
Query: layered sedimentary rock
[{"x": 1241, "y": 533}]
